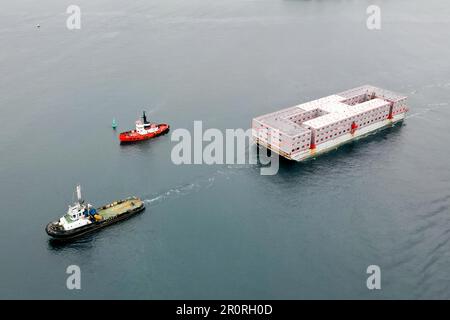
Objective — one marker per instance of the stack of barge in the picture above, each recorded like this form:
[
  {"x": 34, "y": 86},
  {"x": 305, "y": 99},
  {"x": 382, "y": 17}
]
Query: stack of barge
[{"x": 309, "y": 129}]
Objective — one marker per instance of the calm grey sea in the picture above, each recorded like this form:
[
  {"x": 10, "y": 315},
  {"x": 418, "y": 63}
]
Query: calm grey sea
[{"x": 222, "y": 231}]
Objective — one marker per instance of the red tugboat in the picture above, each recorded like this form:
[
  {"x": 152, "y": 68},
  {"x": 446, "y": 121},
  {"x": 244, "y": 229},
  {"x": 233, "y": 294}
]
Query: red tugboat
[{"x": 144, "y": 130}]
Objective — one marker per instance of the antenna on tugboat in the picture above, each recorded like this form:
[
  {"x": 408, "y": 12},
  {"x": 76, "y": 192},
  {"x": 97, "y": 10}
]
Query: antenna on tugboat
[
  {"x": 144, "y": 117},
  {"x": 79, "y": 194}
]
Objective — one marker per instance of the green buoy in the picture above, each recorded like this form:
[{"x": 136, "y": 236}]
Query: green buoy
[{"x": 114, "y": 124}]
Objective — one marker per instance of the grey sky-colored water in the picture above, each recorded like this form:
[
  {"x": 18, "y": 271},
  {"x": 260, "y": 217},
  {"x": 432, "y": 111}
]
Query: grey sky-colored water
[{"x": 222, "y": 231}]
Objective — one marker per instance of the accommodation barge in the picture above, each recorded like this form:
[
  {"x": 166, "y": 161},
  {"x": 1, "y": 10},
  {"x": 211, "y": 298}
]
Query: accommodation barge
[{"x": 304, "y": 131}]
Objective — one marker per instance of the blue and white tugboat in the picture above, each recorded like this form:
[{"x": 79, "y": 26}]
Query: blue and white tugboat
[{"x": 82, "y": 218}]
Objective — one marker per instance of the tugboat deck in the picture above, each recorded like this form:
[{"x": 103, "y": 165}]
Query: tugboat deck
[{"x": 116, "y": 209}]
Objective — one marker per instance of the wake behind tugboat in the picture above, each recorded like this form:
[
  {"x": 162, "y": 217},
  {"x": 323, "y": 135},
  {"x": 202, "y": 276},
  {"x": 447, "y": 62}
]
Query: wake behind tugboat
[
  {"x": 82, "y": 218},
  {"x": 144, "y": 131}
]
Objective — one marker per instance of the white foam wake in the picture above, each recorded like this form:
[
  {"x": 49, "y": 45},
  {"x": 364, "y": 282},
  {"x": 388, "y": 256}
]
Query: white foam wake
[
  {"x": 429, "y": 108},
  {"x": 180, "y": 191}
]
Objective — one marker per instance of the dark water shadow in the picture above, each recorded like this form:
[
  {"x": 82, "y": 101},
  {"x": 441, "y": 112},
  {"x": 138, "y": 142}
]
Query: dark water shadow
[
  {"x": 343, "y": 157},
  {"x": 82, "y": 243}
]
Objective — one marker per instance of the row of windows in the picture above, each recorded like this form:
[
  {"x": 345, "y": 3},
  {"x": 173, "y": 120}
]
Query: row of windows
[
  {"x": 347, "y": 122},
  {"x": 301, "y": 120},
  {"x": 399, "y": 111},
  {"x": 280, "y": 139},
  {"x": 335, "y": 135},
  {"x": 356, "y": 100},
  {"x": 302, "y": 147},
  {"x": 280, "y": 142},
  {"x": 307, "y": 136},
  {"x": 375, "y": 119},
  {"x": 369, "y": 122},
  {"x": 301, "y": 141},
  {"x": 348, "y": 130}
]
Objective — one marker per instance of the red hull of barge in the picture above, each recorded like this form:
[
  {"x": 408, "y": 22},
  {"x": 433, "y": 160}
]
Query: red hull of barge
[{"x": 133, "y": 136}]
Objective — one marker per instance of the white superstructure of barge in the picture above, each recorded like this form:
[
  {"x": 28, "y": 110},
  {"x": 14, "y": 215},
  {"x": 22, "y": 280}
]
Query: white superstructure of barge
[{"x": 309, "y": 129}]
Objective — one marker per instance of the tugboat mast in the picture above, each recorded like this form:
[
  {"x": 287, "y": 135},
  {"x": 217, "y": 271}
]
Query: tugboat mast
[
  {"x": 80, "y": 200},
  {"x": 144, "y": 118}
]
